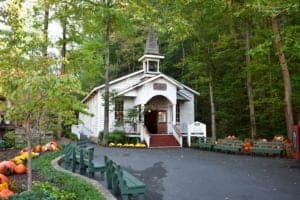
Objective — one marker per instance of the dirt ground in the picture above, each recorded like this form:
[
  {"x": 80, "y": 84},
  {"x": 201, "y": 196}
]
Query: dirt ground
[{"x": 19, "y": 182}]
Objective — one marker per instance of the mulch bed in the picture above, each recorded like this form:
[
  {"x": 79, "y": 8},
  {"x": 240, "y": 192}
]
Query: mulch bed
[{"x": 19, "y": 180}]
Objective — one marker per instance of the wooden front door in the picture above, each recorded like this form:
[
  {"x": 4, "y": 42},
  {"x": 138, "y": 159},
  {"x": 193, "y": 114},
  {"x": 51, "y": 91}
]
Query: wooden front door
[
  {"x": 162, "y": 122},
  {"x": 151, "y": 121}
]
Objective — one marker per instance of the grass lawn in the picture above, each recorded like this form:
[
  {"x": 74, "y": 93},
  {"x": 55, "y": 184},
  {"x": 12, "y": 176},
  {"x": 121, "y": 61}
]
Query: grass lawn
[{"x": 65, "y": 182}]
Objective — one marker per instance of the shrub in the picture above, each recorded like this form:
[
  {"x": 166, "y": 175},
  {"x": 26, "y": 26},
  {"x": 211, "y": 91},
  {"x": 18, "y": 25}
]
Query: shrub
[
  {"x": 72, "y": 136},
  {"x": 65, "y": 182},
  {"x": 54, "y": 191},
  {"x": 34, "y": 195},
  {"x": 101, "y": 136},
  {"x": 116, "y": 136},
  {"x": 9, "y": 139}
]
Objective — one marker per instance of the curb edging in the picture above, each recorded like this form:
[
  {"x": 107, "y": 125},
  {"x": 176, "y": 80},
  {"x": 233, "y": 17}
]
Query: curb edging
[{"x": 104, "y": 191}]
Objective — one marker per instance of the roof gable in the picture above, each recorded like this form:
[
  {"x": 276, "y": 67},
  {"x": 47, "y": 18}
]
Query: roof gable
[
  {"x": 161, "y": 75},
  {"x": 132, "y": 87},
  {"x": 95, "y": 89}
]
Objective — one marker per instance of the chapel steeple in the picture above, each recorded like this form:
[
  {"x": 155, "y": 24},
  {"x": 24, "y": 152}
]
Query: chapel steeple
[{"x": 151, "y": 57}]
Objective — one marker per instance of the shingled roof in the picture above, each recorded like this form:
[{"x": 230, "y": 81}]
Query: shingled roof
[{"x": 151, "y": 43}]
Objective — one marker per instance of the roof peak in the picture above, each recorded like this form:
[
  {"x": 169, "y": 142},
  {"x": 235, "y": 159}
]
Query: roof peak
[{"x": 151, "y": 43}]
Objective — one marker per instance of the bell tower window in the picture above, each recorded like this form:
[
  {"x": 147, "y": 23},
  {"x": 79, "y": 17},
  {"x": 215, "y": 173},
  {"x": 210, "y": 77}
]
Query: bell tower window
[{"x": 152, "y": 66}]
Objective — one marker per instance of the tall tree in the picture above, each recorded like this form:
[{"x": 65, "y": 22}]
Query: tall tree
[
  {"x": 285, "y": 76},
  {"x": 250, "y": 88},
  {"x": 107, "y": 24}
]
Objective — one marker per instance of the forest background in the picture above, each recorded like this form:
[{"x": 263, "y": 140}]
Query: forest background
[{"x": 241, "y": 55}]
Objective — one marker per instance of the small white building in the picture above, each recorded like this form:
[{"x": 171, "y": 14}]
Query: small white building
[{"x": 162, "y": 106}]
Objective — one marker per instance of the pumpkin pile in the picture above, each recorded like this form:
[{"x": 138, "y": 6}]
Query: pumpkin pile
[
  {"x": 17, "y": 166},
  {"x": 231, "y": 137},
  {"x": 262, "y": 140},
  {"x": 6, "y": 168},
  {"x": 278, "y": 138},
  {"x": 247, "y": 146}
]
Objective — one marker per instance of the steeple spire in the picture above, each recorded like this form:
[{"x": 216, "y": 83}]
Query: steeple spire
[
  {"x": 151, "y": 43},
  {"x": 151, "y": 57}
]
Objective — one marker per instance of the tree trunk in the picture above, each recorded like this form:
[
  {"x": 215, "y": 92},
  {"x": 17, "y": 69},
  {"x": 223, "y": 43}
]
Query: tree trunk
[
  {"x": 212, "y": 108},
  {"x": 45, "y": 29},
  {"x": 106, "y": 93},
  {"x": 231, "y": 21},
  {"x": 285, "y": 76},
  {"x": 64, "y": 44},
  {"x": 29, "y": 160},
  {"x": 62, "y": 70},
  {"x": 250, "y": 89}
]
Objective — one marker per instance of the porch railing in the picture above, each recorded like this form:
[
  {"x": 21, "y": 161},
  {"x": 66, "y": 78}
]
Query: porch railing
[
  {"x": 81, "y": 129},
  {"x": 177, "y": 134}
]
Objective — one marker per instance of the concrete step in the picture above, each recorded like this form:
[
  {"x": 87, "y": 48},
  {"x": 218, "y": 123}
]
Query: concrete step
[{"x": 163, "y": 141}]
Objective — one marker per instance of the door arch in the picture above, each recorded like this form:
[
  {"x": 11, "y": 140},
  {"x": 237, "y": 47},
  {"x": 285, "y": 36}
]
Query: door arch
[{"x": 156, "y": 114}]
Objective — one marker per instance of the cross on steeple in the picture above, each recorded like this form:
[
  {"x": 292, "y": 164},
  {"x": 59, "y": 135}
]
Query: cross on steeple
[{"x": 151, "y": 57}]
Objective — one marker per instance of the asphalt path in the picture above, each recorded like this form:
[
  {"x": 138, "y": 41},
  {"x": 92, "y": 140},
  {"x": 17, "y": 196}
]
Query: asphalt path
[{"x": 191, "y": 174}]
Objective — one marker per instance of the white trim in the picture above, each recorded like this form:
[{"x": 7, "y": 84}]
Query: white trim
[
  {"x": 150, "y": 80},
  {"x": 159, "y": 74},
  {"x": 185, "y": 86},
  {"x": 183, "y": 95},
  {"x": 110, "y": 83},
  {"x": 150, "y": 56}
]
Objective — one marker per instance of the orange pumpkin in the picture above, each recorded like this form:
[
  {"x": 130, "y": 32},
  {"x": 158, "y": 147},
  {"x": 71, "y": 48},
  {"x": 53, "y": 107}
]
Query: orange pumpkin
[
  {"x": 4, "y": 194},
  {"x": 54, "y": 144},
  {"x": 23, "y": 150},
  {"x": 20, "y": 169},
  {"x": 3, "y": 186},
  {"x": 4, "y": 169},
  {"x": 10, "y": 165},
  {"x": 53, "y": 147},
  {"x": 3, "y": 179},
  {"x": 43, "y": 148},
  {"x": 278, "y": 138},
  {"x": 37, "y": 149},
  {"x": 233, "y": 137}
]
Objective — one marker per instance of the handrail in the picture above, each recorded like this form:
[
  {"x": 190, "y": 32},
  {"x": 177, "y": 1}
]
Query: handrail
[
  {"x": 177, "y": 135},
  {"x": 145, "y": 136}
]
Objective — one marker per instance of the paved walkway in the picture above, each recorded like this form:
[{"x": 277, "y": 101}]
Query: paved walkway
[{"x": 189, "y": 174}]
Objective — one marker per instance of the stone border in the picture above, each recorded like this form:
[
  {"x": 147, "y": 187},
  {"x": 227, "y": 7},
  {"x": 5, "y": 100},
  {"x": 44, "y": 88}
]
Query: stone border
[{"x": 105, "y": 192}]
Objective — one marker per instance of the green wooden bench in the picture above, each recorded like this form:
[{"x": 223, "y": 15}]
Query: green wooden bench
[
  {"x": 71, "y": 158},
  {"x": 122, "y": 182},
  {"x": 270, "y": 148},
  {"x": 110, "y": 170},
  {"x": 205, "y": 143},
  {"x": 82, "y": 143},
  {"x": 2, "y": 144},
  {"x": 87, "y": 163},
  {"x": 229, "y": 146},
  {"x": 68, "y": 155},
  {"x": 77, "y": 159}
]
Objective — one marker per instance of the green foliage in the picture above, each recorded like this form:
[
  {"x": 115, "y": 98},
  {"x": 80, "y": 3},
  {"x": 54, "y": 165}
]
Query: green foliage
[
  {"x": 72, "y": 136},
  {"x": 68, "y": 183},
  {"x": 116, "y": 136},
  {"x": 101, "y": 136},
  {"x": 9, "y": 138},
  {"x": 198, "y": 38},
  {"x": 34, "y": 195},
  {"x": 132, "y": 115},
  {"x": 53, "y": 191}
]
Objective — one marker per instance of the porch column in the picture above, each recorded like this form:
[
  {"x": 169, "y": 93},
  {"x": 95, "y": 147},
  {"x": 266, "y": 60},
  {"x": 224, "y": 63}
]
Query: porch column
[
  {"x": 174, "y": 114},
  {"x": 141, "y": 123}
]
